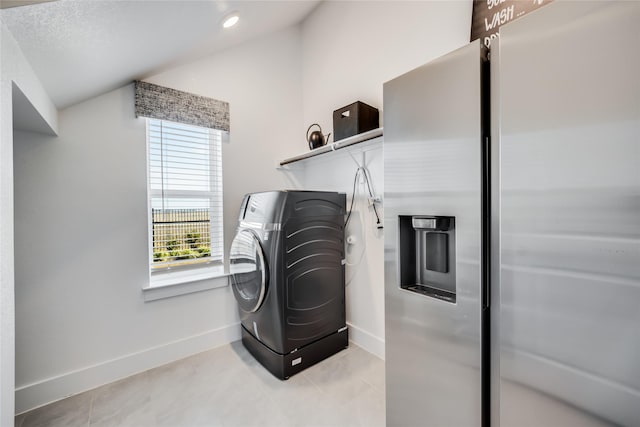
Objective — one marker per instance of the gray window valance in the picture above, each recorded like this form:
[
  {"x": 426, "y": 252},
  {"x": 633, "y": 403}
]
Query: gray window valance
[{"x": 158, "y": 102}]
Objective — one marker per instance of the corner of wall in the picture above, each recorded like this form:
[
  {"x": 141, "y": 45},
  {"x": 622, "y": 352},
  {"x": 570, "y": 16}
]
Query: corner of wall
[{"x": 14, "y": 69}]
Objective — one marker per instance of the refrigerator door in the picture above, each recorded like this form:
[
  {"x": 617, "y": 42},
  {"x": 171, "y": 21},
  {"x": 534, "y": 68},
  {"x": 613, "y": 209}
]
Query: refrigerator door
[
  {"x": 568, "y": 266},
  {"x": 433, "y": 217}
]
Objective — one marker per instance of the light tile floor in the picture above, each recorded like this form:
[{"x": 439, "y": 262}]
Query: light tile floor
[{"x": 227, "y": 387}]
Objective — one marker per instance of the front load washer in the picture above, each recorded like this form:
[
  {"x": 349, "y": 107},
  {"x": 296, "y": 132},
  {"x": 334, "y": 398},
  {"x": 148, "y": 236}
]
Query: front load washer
[{"x": 287, "y": 274}]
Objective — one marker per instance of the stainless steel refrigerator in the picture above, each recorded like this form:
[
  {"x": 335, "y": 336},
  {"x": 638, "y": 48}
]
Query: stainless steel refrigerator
[{"x": 512, "y": 226}]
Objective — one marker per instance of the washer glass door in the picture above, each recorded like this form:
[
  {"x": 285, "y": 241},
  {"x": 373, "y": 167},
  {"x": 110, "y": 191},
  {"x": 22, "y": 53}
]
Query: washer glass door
[{"x": 248, "y": 271}]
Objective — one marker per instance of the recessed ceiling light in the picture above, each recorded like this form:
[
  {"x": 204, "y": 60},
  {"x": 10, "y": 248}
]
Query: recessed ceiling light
[{"x": 230, "y": 20}]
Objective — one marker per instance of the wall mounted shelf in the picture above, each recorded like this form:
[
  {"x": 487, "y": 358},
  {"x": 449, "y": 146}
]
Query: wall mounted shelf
[{"x": 362, "y": 137}]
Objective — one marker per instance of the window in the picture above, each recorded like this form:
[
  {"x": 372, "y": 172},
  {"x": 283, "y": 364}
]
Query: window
[{"x": 185, "y": 195}]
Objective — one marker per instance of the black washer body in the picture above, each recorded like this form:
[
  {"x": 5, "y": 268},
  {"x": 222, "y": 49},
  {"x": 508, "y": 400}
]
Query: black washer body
[{"x": 287, "y": 274}]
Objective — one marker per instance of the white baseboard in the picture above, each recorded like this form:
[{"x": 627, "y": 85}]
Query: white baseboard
[
  {"x": 43, "y": 392},
  {"x": 366, "y": 340}
]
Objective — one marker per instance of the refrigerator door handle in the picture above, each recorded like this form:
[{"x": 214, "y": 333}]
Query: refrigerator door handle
[{"x": 486, "y": 223}]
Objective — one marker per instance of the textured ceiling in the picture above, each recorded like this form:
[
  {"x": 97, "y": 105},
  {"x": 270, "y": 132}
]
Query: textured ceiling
[{"x": 81, "y": 48}]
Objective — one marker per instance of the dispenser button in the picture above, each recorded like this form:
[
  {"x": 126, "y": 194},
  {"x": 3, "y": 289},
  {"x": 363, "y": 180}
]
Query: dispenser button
[{"x": 424, "y": 223}]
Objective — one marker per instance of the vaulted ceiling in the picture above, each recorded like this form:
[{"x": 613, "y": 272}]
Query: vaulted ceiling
[{"x": 81, "y": 48}]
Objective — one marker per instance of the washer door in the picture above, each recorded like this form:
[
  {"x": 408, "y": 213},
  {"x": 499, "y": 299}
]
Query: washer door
[{"x": 248, "y": 271}]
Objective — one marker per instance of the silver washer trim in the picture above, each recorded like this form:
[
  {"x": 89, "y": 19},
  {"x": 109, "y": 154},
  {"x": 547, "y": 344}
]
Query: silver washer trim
[
  {"x": 255, "y": 329},
  {"x": 263, "y": 287},
  {"x": 270, "y": 226}
]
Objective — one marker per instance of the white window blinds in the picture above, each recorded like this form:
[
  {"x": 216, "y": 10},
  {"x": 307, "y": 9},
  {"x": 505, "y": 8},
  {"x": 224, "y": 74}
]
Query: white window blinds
[{"x": 185, "y": 191}]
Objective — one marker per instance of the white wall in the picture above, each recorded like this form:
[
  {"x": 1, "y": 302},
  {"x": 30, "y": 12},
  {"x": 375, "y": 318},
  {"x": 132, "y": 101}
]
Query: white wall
[
  {"x": 349, "y": 50},
  {"x": 14, "y": 70},
  {"x": 352, "y": 47},
  {"x": 81, "y": 218}
]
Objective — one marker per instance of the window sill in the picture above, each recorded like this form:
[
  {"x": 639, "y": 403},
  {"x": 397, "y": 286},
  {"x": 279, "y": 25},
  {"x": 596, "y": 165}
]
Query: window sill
[{"x": 167, "y": 285}]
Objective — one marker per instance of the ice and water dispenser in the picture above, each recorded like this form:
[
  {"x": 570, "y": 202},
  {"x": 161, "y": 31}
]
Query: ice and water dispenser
[{"x": 427, "y": 256}]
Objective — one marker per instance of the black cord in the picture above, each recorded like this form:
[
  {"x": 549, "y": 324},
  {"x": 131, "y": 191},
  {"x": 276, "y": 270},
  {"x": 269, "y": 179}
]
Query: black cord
[
  {"x": 353, "y": 196},
  {"x": 365, "y": 172},
  {"x": 366, "y": 176},
  {"x": 375, "y": 211}
]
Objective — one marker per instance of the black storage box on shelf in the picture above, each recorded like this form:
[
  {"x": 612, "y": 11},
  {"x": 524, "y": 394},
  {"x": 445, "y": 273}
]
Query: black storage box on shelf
[{"x": 354, "y": 119}]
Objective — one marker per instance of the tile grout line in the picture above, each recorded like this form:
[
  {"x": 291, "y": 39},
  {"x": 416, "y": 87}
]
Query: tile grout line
[
  {"x": 313, "y": 382},
  {"x": 93, "y": 396},
  {"x": 342, "y": 354},
  {"x": 376, "y": 389}
]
